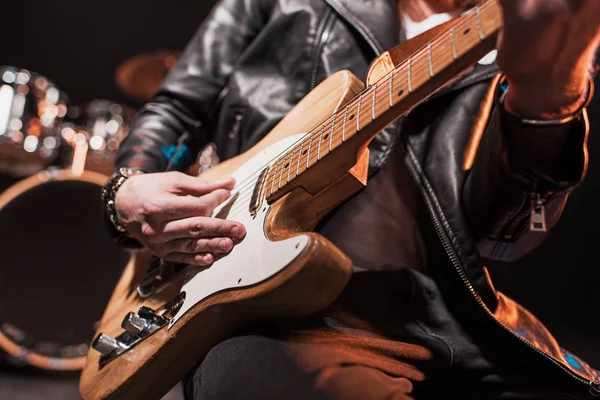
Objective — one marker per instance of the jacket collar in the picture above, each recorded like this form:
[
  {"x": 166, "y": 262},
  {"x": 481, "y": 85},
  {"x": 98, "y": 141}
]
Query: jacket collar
[{"x": 376, "y": 20}]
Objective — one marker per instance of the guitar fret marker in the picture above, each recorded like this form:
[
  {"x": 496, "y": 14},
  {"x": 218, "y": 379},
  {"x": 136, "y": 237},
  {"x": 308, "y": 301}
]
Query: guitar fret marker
[{"x": 408, "y": 79}]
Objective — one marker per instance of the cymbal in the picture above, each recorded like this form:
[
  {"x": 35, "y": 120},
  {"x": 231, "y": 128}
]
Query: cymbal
[{"x": 140, "y": 76}]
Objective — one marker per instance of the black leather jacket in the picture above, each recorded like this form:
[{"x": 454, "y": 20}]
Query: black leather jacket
[{"x": 252, "y": 60}]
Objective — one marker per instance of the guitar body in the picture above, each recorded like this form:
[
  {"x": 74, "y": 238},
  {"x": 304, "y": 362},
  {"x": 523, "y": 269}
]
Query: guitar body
[{"x": 280, "y": 270}]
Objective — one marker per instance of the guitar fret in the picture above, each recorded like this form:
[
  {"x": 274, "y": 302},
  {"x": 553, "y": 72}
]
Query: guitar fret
[
  {"x": 408, "y": 77},
  {"x": 358, "y": 113},
  {"x": 309, "y": 149},
  {"x": 290, "y": 164},
  {"x": 273, "y": 178},
  {"x": 299, "y": 157},
  {"x": 479, "y": 25},
  {"x": 430, "y": 61},
  {"x": 373, "y": 102},
  {"x": 344, "y": 126},
  {"x": 392, "y": 89},
  {"x": 454, "y": 55},
  {"x": 332, "y": 132},
  {"x": 281, "y": 173},
  {"x": 320, "y": 140}
]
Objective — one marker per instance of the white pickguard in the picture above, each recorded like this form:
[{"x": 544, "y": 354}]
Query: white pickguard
[{"x": 256, "y": 258}]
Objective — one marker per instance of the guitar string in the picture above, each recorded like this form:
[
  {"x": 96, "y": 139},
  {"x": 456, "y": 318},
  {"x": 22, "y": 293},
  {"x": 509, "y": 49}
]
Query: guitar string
[
  {"x": 365, "y": 93},
  {"x": 285, "y": 154},
  {"x": 325, "y": 126}
]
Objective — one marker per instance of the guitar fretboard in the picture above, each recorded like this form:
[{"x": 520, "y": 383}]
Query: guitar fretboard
[{"x": 467, "y": 40}]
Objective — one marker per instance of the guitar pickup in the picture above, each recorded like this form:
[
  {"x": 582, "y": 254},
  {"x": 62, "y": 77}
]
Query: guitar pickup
[
  {"x": 257, "y": 193},
  {"x": 158, "y": 274}
]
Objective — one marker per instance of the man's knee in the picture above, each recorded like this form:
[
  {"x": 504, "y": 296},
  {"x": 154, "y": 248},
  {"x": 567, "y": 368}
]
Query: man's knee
[{"x": 250, "y": 367}]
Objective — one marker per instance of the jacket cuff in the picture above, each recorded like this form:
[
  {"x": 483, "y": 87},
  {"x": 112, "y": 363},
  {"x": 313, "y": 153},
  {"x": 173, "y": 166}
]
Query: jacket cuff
[{"x": 552, "y": 156}]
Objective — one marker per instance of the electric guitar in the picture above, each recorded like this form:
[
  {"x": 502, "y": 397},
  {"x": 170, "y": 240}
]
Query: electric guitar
[{"x": 163, "y": 318}]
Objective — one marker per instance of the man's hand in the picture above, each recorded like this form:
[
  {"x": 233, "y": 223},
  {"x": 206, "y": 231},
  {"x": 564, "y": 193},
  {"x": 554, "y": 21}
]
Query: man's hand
[
  {"x": 169, "y": 213},
  {"x": 545, "y": 49}
]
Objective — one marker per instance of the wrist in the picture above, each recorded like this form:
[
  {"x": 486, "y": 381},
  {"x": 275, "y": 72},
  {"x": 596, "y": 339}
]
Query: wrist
[
  {"x": 109, "y": 194},
  {"x": 547, "y": 96}
]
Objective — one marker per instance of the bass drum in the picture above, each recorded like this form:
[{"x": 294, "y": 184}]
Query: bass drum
[{"x": 58, "y": 269}]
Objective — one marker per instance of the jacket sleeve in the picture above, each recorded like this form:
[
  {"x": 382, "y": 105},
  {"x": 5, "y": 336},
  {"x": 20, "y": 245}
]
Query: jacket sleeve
[
  {"x": 520, "y": 171},
  {"x": 170, "y": 130}
]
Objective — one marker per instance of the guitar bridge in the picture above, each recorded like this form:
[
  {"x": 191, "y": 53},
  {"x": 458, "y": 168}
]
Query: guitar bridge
[{"x": 136, "y": 327}]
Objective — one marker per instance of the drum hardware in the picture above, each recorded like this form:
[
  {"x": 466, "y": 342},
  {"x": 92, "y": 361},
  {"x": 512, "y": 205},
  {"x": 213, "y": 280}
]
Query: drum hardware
[
  {"x": 137, "y": 327},
  {"x": 207, "y": 159},
  {"x": 140, "y": 76},
  {"x": 93, "y": 132},
  {"x": 31, "y": 109}
]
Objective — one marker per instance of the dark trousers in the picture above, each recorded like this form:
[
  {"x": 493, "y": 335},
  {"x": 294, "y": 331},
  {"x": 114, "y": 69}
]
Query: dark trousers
[{"x": 388, "y": 336}]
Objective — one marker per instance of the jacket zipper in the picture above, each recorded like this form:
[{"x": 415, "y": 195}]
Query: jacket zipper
[
  {"x": 322, "y": 35},
  {"x": 593, "y": 387}
]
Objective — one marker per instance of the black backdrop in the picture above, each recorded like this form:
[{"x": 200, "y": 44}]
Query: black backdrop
[{"x": 79, "y": 44}]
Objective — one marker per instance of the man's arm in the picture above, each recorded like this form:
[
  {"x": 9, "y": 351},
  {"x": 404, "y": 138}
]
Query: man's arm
[
  {"x": 179, "y": 120},
  {"x": 533, "y": 153},
  {"x": 169, "y": 212},
  {"x": 521, "y": 170}
]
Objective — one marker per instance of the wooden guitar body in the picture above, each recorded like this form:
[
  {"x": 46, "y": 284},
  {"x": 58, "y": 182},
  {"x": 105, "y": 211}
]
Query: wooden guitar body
[{"x": 295, "y": 283}]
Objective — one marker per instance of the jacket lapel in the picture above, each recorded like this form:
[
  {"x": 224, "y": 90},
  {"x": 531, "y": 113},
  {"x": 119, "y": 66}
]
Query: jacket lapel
[{"x": 375, "y": 20}]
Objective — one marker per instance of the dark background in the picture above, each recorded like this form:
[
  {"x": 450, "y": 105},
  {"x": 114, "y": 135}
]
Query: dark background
[{"x": 79, "y": 45}]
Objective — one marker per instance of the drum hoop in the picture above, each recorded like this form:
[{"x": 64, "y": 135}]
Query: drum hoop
[{"x": 14, "y": 349}]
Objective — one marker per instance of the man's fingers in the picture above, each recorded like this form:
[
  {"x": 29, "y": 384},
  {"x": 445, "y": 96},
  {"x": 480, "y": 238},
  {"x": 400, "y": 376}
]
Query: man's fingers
[
  {"x": 201, "y": 260},
  {"x": 202, "y": 227},
  {"x": 179, "y": 207},
  {"x": 188, "y": 185},
  {"x": 196, "y": 246}
]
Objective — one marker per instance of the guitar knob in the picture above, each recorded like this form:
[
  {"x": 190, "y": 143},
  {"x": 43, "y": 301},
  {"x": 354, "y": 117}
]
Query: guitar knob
[
  {"x": 105, "y": 344},
  {"x": 133, "y": 323}
]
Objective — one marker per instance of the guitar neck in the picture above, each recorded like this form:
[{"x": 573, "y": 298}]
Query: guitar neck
[{"x": 468, "y": 39}]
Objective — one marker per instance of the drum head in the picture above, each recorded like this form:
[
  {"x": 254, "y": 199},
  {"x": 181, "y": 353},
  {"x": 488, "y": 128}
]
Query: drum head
[{"x": 58, "y": 268}]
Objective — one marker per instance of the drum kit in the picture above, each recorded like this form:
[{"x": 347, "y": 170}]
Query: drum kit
[{"x": 57, "y": 264}]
